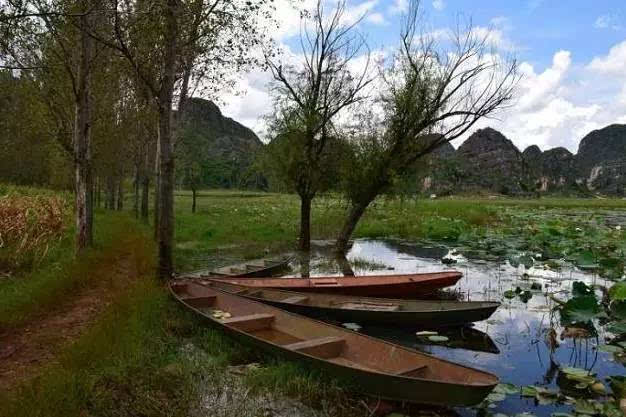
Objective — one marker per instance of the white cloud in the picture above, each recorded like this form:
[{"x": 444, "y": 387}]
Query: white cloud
[
  {"x": 609, "y": 21},
  {"x": 398, "y": 6},
  {"x": 376, "y": 18},
  {"x": 612, "y": 64},
  {"x": 439, "y": 5}
]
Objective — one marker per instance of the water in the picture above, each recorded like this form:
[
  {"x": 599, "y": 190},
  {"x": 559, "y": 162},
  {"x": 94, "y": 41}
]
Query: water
[{"x": 523, "y": 343}]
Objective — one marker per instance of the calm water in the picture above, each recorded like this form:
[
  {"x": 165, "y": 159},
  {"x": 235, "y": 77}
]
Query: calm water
[{"x": 514, "y": 342}]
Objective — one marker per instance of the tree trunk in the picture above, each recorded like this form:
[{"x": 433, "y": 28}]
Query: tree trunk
[
  {"x": 157, "y": 186},
  {"x": 193, "y": 204},
  {"x": 82, "y": 138},
  {"x": 354, "y": 215},
  {"x": 120, "y": 194},
  {"x": 304, "y": 241},
  {"x": 145, "y": 196},
  {"x": 111, "y": 193},
  {"x": 136, "y": 186},
  {"x": 166, "y": 192},
  {"x": 344, "y": 265}
]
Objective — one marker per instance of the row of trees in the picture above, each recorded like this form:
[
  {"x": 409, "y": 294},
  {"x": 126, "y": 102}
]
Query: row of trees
[
  {"x": 116, "y": 73},
  {"x": 104, "y": 84},
  {"x": 368, "y": 127}
]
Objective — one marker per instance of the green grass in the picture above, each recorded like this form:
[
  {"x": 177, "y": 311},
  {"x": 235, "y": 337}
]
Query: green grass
[{"x": 61, "y": 273}]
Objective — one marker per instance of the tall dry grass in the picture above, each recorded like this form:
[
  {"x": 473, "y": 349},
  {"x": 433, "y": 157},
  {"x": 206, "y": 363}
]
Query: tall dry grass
[{"x": 29, "y": 226}]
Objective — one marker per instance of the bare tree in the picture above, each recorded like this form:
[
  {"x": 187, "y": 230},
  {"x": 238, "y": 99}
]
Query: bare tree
[
  {"x": 433, "y": 92},
  {"x": 310, "y": 96}
]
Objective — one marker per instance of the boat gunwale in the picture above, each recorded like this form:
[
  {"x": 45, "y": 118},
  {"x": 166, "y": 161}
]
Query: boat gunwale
[
  {"x": 341, "y": 329},
  {"x": 475, "y": 307}
]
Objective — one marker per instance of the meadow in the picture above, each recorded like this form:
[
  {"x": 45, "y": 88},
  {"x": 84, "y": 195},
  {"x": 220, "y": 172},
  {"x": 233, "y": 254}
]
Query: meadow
[{"x": 143, "y": 355}]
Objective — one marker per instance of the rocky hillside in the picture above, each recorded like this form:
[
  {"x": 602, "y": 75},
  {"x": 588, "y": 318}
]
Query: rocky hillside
[
  {"x": 221, "y": 148},
  {"x": 601, "y": 160},
  {"x": 488, "y": 161}
]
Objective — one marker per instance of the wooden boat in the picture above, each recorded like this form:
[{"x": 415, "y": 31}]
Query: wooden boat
[
  {"x": 364, "y": 310},
  {"x": 384, "y": 286},
  {"x": 366, "y": 364},
  {"x": 253, "y": 268}
]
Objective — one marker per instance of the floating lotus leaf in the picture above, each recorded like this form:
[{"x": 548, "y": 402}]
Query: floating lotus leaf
[
  {"x": 426, "y": 333},
  {"x": 618, "y": 291},
  {"x": 618, "y": 327},
  {"x": 585, "y": 407},
  {"x": 438, "y": 339},
  {"x": 579, "y": 288},
  {"x": 581, "y": 309},
  {"x": 610, "y": 348},
  {"x": 495, "y": 397},
  {"x": 506, "y": 389}
]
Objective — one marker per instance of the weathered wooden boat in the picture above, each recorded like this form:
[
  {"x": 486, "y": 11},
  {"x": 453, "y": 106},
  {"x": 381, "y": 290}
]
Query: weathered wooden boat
[
  {"x": 382, "y": 286},
  {"x": 366, "y": 364},
  {"x": 366, "y": 310},
  {"x": 254, "y": 268}
]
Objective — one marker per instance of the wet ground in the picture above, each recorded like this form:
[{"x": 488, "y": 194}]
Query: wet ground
[{"x": 524, "y": 342}]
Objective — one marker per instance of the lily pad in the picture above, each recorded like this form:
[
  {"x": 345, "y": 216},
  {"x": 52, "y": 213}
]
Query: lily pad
[
  {"x": 579, "y": 288},
  {"x": 581, "y": 309},
  {"x": 426, "y": 333},
  {"x": 618, "y": 291},
  {"x": 438, "y": 339},
  {"x": 507, "y": 389},
  {"x": 610, "y": 349},
  {"x": 495, "y": 397}
]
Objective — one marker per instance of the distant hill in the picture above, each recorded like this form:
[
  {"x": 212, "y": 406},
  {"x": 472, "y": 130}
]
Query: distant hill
[
  {"x": 488, "y": 161},
  {"x": 225, "y": 148}
]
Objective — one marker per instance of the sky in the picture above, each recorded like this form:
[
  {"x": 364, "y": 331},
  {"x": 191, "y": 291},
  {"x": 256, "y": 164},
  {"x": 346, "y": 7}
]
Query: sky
[{"x": 571, "y": 54}]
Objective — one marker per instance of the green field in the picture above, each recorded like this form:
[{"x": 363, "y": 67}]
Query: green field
[{"x": 146, "y": 356}]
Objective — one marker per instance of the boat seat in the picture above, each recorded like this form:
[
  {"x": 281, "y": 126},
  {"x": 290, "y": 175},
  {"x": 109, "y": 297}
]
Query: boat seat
[
  {"x": 251, "y": 322},
  {"x": 413, "y": 371},
  {"x": 361, "y": 305},
  {"x": 323, "y": 347},
  {"x": 296, "y": 299},
  {"x": 199, "y": 302}
]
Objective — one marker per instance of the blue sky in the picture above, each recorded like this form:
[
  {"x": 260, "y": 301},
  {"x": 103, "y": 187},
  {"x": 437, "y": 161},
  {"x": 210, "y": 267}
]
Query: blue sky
[{"x": 572, "y": 58}]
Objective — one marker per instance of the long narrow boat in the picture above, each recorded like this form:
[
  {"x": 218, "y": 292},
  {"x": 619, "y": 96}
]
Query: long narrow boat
[
  {"x": 365, "y": 310},
  {"x": 253, "y": 268},
  {"x": 366, "y": 364},
  {"x": 383, "y": 286}
]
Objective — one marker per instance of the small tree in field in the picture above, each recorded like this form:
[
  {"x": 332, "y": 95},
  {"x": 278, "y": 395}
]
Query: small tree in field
[
  {"x": 309, "y": 97},
  {"x": 432, "y": 94}
]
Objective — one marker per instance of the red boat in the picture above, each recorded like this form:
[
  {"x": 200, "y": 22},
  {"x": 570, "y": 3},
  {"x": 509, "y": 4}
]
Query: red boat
[{"x": 389, "y": 286}]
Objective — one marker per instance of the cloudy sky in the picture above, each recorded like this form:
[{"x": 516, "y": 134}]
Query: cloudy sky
[{"x": 572, "y": 58}]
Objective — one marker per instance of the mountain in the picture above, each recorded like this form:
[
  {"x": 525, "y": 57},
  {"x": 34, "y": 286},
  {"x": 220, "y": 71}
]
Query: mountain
[
  {"x": 488, "y": 161},
  {"x": 221, "y": 148},
  {"x": 601, "y": 160}
]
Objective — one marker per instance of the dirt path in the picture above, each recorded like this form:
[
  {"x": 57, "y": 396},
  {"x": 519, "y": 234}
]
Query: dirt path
[{"x": 25, "y": 351}]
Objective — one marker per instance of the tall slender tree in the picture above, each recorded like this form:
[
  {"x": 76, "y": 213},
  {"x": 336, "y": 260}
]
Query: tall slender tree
[
  {"x": 431, "y": 94},
  {"x": 310, "y": 97}
]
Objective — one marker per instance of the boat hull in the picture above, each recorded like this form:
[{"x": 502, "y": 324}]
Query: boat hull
[
  {"x": 407, "y": 319},
  {"x": 382, "y": 286},
  {"x": 375, "y": 383}
]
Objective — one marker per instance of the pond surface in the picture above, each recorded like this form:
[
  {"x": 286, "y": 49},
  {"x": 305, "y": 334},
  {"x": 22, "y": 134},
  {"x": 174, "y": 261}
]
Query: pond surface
[{"x": 524, "y": 342}]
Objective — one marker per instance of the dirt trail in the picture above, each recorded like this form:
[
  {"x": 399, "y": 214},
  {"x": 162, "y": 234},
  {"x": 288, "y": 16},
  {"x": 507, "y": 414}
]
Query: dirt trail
[{"x": 25, "y": 351}]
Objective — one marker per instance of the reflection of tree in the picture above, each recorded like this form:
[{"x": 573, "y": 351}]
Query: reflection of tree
[
  {"x": 344, "y": 265},
  {"x": 304, "y": 258}
]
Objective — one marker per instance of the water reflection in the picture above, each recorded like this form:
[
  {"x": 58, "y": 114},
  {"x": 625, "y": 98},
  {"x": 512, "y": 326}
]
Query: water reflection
[{"x": 524, "y": 343}]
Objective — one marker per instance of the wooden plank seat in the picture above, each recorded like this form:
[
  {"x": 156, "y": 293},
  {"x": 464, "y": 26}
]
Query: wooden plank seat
[
  {"x": 295, "y": 299},
  {"x": 323, "y": 347},
  {"x": 199, "y": 302},
  {"x": 413, "y": 371},
  {"x": 251, "y": 322},
  {"x": 360, "y": 305}
]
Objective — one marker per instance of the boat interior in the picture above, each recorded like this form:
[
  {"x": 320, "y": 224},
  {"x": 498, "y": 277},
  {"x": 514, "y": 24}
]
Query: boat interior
[
  {"x": 350, "y": 302},
  {"x": 322, "y": 341}
]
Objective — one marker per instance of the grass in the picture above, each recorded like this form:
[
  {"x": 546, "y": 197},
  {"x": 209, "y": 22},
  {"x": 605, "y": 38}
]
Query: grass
[{"x": 40, "y": 289}]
